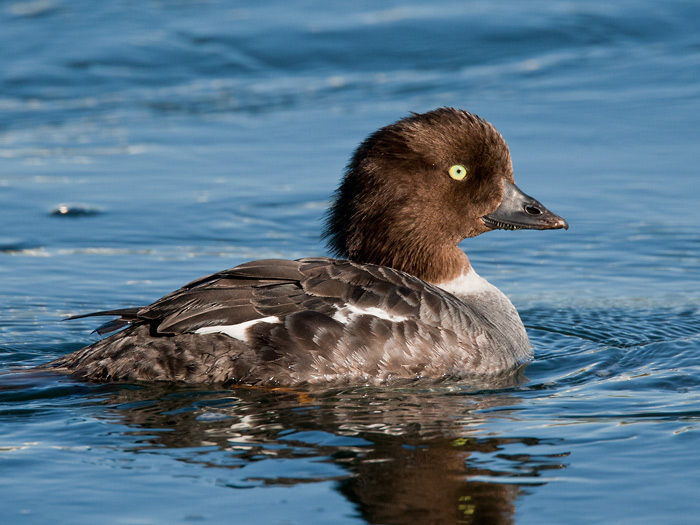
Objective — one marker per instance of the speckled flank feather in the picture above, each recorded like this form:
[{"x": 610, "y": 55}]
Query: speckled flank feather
[{"x": 308, "y": 344}]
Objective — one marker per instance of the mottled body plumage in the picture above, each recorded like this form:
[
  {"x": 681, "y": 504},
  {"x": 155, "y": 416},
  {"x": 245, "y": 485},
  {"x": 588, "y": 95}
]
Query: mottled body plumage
[{"x": 326, "y": 331}]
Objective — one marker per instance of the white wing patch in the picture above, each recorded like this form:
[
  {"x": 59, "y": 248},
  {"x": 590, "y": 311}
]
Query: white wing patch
[
  {"x": 348, "y": 311},
  {"x": 237, "y": 331}
]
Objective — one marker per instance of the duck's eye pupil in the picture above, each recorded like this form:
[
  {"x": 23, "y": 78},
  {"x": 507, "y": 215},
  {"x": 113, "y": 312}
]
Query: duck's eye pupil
[{"x": 458, "y": 172}]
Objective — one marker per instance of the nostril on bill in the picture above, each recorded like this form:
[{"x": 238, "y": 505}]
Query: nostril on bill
[{"x": 532, "y": 210}]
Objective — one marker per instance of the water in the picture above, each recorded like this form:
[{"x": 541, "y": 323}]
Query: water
[{"x": 185, "y": 137}]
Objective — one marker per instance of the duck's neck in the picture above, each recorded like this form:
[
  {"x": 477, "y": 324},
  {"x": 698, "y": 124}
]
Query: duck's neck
[
  {"x": 431, "y": 265},
  {"x": 445, "y": 266},
  {"x": 470, "y": 284}
]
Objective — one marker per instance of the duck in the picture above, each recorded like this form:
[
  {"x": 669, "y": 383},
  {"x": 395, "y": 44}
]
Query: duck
[{"x": 399, "y": 299}]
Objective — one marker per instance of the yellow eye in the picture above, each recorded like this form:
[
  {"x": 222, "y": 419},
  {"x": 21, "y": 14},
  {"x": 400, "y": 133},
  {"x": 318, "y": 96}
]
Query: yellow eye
[{"x": 458, "y": 172}]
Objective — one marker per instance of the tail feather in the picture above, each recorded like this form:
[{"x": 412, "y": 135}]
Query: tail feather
[{"x": 126, "y": 317}]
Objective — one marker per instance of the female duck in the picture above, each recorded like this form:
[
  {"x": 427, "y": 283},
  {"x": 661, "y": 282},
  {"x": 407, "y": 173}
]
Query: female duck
[{"x": 403, "y": 302}]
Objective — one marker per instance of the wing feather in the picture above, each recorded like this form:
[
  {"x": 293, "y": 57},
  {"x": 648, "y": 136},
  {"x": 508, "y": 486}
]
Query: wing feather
[{"x": 283, "y": 288}]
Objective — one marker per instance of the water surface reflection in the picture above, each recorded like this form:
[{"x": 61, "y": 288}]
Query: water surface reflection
[{"x": 413, "y": 454}]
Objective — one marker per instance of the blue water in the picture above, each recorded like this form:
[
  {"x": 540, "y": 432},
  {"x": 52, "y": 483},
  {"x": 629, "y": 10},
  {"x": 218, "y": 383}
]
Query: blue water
[{"x": 183, "y": 137}]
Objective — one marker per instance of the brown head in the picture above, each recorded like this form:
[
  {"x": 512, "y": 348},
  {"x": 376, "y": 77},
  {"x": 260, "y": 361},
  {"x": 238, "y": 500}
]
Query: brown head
[{"x": 416, "y": 188}]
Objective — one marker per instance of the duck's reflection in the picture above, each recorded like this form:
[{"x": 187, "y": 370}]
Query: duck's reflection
[{"x": 416, "y": 454}]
